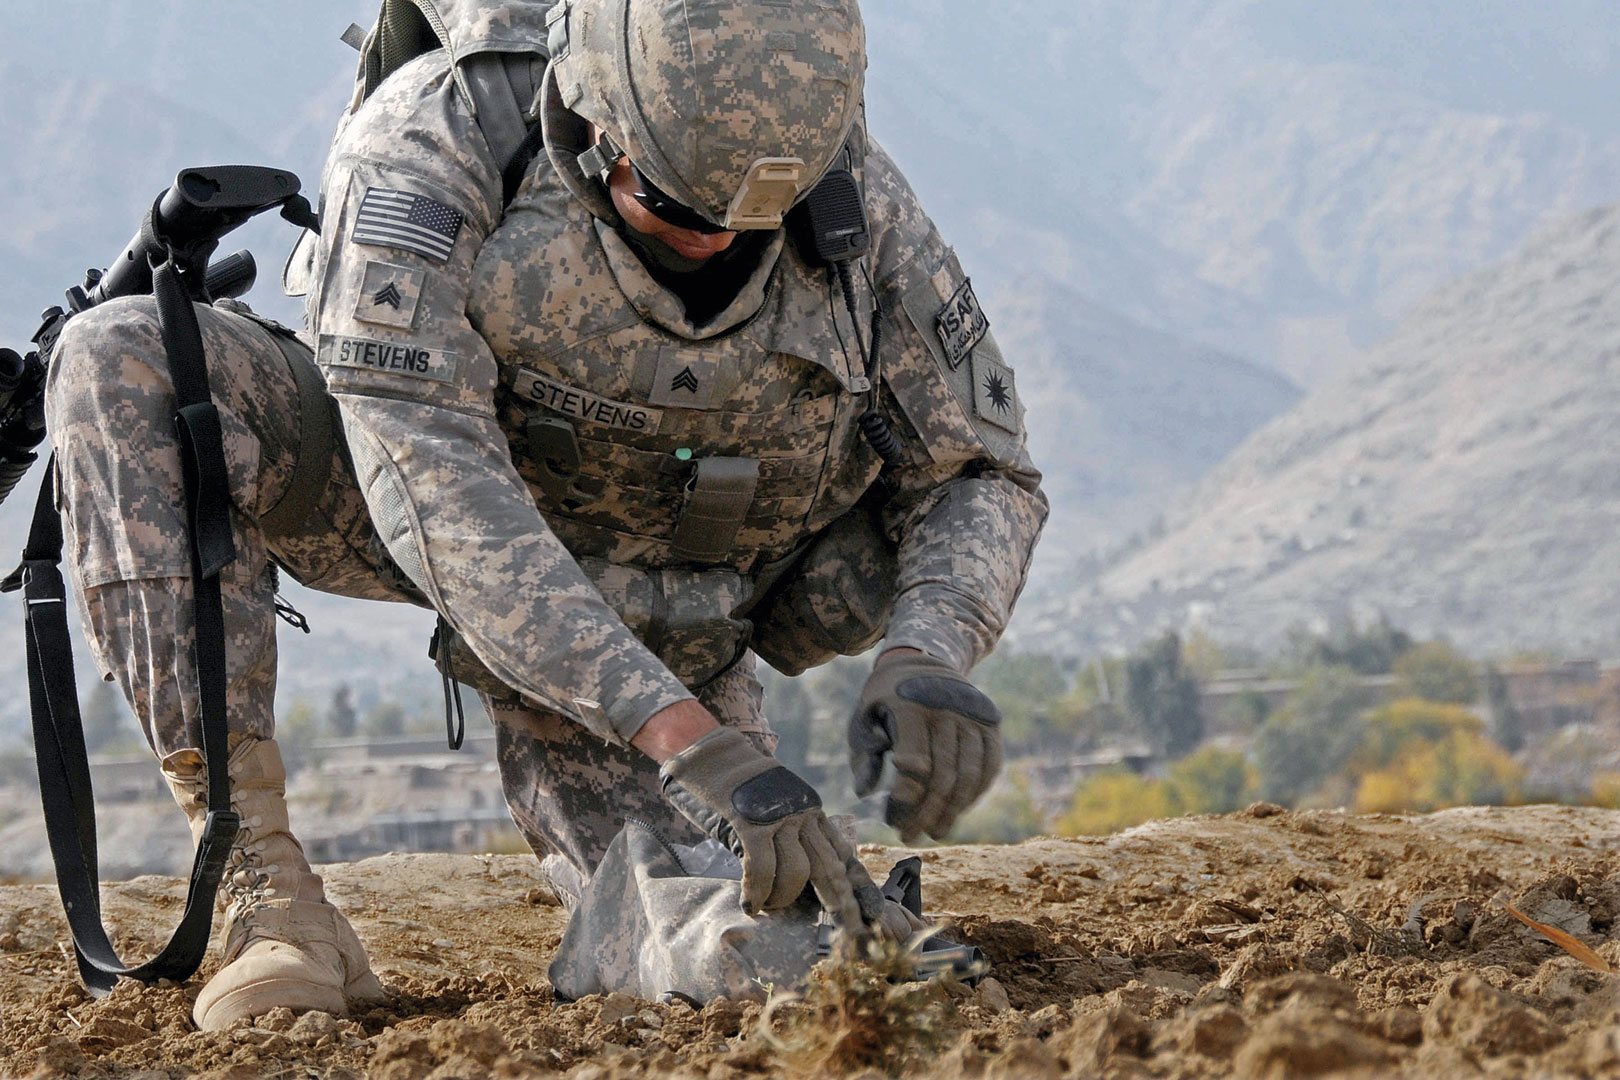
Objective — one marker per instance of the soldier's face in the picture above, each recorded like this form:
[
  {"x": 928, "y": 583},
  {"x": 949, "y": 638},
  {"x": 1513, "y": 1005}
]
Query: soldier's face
[{"x": 687, "y": 243}]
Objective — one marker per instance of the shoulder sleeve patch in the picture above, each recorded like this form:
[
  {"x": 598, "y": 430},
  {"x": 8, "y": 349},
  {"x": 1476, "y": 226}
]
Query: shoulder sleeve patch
[
  {"x": 945, "y": 313},
  {"x": 961, "y": 323},
  {"x": 407, "y": 222}
]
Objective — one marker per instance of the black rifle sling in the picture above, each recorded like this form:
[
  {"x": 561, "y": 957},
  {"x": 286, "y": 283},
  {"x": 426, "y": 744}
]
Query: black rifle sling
[{"x": 64, "y": 771}]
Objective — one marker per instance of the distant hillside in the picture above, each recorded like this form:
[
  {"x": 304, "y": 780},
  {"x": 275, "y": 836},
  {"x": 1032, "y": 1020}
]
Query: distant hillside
[
  {"x": 1465, "y": 481},
  {"x": 1121, "y": 417}
]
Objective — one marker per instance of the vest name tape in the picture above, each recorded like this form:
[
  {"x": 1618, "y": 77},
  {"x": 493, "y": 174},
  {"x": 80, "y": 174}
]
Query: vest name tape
[
  {"x": 584, "y": 405},
  {"x": 392, "y": 357},
  {"x": 961, "y": 324}
]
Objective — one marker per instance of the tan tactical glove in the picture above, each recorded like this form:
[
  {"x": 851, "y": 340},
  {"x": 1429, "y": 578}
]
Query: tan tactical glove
[
  {"x": 945, "y": 735},
  {"x": 772, "y": 820}
]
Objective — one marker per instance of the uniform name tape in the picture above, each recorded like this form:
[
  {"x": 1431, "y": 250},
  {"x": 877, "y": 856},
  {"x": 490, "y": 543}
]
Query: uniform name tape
[
  {"x": 584, "y": 405},
  {"x": 391, "y": 357}
]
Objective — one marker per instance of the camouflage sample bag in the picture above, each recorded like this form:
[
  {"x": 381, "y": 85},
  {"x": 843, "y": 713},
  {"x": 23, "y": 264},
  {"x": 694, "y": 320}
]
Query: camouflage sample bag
[{"x": 661, "y": 920}]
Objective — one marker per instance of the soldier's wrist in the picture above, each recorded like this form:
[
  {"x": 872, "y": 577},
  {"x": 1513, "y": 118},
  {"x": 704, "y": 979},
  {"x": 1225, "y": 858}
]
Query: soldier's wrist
[{"x": 673, "y": 729}]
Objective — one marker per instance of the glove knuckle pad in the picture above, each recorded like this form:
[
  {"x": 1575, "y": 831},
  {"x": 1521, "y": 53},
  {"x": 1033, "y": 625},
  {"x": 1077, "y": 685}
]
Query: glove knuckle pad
[
  {"x": 774, "y": 796},
  {"x": 950, "y": 695}
]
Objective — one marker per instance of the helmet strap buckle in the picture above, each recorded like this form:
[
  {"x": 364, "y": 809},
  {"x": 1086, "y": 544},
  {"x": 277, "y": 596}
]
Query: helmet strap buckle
[{"x": 599, "y": 160}]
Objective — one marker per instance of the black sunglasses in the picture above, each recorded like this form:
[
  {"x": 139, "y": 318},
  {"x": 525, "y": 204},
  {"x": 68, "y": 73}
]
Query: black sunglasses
[{"x": 666, "y": 209}]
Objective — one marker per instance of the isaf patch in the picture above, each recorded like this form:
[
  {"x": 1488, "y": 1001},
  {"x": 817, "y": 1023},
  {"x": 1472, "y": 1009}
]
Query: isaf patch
[
  {"x": 388, "y": 357},
  {"x": 407, "y": 222},
  {"x": 961, "y": 323},
  {"x": 985, "y": 411},
  {"x": 389, "y": 295}
]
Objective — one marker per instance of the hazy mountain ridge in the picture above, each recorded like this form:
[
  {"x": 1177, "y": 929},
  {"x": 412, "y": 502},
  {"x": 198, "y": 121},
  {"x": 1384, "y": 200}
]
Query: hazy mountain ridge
[
  {"x": 1314, "y": 192},
  {"x": 1120, "y": 416},
  {"x": 1295, "y": 176},
  {"x": 1461, "y": 482},
  {"x": 1071, "y": 148}
]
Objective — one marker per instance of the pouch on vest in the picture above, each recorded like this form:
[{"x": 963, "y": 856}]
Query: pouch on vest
[
  {"x": 661, "y": 920},
  {"x": 835, "y": 601}
]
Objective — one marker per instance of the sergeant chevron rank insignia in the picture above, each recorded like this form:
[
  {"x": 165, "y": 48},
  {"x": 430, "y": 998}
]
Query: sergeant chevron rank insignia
[
  {"x": 389, "y": 295},
  {"x": 685, "y": 379}
]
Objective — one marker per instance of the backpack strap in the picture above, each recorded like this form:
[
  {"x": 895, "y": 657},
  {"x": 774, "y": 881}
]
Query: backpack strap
[{"x": 503, "y": 87}]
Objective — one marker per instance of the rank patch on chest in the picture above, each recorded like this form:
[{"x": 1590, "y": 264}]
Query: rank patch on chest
[
  {"x": 583, "y": 405},
  {"x": 407, "y": 222},
  {"x": 389, "y": 295},
  {"x": 961, "y": 324},
  {"x": 685, "y": 379},
  {"x": 390, "y": 357},
  {"x": 995, "y": 396}
]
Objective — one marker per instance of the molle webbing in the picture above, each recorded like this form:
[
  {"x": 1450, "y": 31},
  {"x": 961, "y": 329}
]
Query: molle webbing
[{"x": 717, "y": 502}]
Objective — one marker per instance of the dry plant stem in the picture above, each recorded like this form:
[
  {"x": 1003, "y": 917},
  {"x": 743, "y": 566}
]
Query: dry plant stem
[{"x": 1564, "y": 941}]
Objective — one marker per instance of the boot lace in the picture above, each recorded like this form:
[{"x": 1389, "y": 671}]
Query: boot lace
[{"x": 247, "y": 880}]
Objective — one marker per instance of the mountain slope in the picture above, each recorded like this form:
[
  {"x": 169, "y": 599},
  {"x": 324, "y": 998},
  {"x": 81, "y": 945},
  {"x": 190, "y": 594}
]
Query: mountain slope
[
  {"x": 1121, "y": 417},
  {"x": 1463, "y": 481}
]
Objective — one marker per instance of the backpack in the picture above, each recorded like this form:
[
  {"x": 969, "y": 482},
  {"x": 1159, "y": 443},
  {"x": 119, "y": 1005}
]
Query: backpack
[{"x": 499, "y": 71}]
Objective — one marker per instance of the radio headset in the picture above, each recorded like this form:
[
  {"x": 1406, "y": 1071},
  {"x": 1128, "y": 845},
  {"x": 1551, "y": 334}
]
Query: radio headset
[{"x": 830, "y": 229}]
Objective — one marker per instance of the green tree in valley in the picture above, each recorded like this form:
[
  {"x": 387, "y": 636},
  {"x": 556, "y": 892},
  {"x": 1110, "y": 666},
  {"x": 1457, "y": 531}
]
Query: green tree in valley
[
  {"x": 341, "y": 718},
  {"x": 1434, "y": 671},
  {"x": 1212, "y": 781},
  {"x": 1503, "y": 722},
  {"x": 1311, "y": 736},
  {"x": 1161, "y": 697}
]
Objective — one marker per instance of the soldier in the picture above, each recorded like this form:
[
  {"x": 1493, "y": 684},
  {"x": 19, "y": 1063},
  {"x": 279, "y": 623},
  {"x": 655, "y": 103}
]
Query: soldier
[{"x": 610, "y": 430}]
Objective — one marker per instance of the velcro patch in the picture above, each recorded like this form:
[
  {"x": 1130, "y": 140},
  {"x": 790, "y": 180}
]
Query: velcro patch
[
  {"x": 389, "y": 295},
  {"x": 390, "y": 357},
  {"x": 961, "y": 324},
  {"x": 583, "y": 405},
  {"x": 685, "y": 378},
  {"x": 995, "y": 396},
  {"x": 408, "y": 222}
]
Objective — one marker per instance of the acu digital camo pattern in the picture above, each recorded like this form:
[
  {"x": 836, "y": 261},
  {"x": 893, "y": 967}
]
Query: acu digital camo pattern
[
  {"x": 546, "y": 314},
  {"x": 110, "y": 402},
  {"x": 432, "y": 484},
  {"x": 696, "y": 93}
]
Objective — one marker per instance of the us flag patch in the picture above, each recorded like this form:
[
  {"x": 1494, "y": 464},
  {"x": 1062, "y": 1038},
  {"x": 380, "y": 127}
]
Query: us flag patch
[{"x": 414, "y": 223}]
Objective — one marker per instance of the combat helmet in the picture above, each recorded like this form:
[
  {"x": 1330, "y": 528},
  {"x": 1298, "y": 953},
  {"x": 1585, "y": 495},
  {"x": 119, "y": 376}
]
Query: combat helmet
[{"x": 734, "y": 108}]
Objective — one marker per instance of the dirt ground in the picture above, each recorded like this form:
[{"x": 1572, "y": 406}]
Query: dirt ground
[{"x": 1261, "y": 944}]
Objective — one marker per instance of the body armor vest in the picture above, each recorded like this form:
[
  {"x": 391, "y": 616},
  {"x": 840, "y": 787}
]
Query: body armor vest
[{"x": 680, "y": 465}]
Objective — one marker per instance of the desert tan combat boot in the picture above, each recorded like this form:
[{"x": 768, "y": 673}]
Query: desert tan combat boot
[{"x": 285, "y": 944}]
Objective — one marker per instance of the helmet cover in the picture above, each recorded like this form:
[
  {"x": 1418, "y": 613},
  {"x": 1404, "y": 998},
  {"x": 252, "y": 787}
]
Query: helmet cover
[{"x": 735, "y": 108}]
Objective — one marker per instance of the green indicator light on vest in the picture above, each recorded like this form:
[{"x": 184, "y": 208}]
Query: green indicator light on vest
[{"x": 683, "y": 454}]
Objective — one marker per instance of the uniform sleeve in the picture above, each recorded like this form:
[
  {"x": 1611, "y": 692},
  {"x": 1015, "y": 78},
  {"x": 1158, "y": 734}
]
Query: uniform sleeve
[
  {"x": 410, "y": 194},
  {"x": 967, "y": 507}
]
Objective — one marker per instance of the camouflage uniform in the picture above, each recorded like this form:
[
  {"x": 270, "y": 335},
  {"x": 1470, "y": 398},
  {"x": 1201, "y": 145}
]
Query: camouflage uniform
[{"x": 453, "y": 355}]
